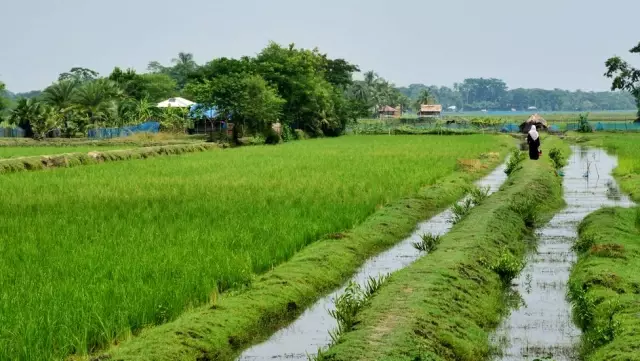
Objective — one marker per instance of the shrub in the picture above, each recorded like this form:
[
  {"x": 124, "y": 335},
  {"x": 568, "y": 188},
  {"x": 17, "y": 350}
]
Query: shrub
[
  {"x": 428, "y": 243},
  {"x": 557, "y": 158},
  {"x": 517, "y": 157},
  {"x": 299, "y": 134},
  {"x": 583, "y": 124},
  {"x": 527, "y": 209},
  {"x": 507, "y": 266}
]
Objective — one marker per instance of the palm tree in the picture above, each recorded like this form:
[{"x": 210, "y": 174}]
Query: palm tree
[
  {"x": 97, "y": 97},
  {"x": 25, "y": 112},
  {"x": 184, "y": 60},
  {"x": 370, "y": 78},
  {"x": 61, "y": 96}
]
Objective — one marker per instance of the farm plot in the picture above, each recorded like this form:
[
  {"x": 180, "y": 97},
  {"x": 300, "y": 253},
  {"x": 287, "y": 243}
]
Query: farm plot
[{"x": 90, "y": 254}]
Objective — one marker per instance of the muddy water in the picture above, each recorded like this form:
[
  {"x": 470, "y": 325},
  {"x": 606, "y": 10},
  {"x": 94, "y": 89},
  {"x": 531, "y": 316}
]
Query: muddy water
[
  {"x": 542, "y": 326},
  {"x": 310, "y": 331}
]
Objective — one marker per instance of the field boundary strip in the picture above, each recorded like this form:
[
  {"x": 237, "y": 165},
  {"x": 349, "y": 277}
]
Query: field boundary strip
[
  {"x": 604, "y": 284},
  {"x": 39, "y": 162},
  {"x": 239, "y": 319},
  {"x": 444, "y": 306}
]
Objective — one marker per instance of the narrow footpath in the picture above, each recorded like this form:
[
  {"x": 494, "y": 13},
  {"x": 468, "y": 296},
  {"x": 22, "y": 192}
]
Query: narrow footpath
[
  {"x": 542, "y": 326},
  {"x": 310, "y": 331}
]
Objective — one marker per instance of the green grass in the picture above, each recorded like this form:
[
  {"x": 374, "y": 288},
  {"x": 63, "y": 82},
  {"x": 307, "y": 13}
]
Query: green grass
[
  {"x": 625, "y": 146},
  {"x": 14, "y": 152},
  {"x": 88, "y": 254},
  {"x": 444, "y": 305},
  {"x": 605, "y": 285}
]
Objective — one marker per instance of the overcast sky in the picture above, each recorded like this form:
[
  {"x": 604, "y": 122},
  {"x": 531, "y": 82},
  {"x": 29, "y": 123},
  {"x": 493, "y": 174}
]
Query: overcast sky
[{"x": 542, "y": 43}]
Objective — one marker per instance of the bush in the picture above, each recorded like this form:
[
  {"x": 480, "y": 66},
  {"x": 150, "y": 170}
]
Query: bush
[
  {"x": 583, "y": 124},
  {"x": 507, "y": 267},
  {"x": 299, "y": 134},
  {"x": 517, "y": 157},
  {"x": 557, "y": 158}
]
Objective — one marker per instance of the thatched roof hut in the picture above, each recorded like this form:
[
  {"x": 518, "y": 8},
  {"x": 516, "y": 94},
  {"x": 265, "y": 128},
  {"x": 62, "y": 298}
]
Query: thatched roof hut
[{"x": 535, "y": 119}]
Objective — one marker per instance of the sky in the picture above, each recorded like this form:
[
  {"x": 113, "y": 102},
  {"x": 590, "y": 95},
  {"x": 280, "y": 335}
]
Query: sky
[{"x": 538, "y": 44}]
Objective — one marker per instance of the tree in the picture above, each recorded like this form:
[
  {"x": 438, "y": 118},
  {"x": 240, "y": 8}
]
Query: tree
[
  {"x": 95, "y": 99},
  {"x": 4, "y": 103},
  {"x": 183, "y": 67},
  {"x": 61, "y": 96},
  {"x": 36, "y": 118},
  {"x": 625, "y": 77},
  {"x": 247, "y": 99},
  {"x": 157, "y": 87},
  {"x": 81, "y": 75},
  {"x": 425, "y": 97}
]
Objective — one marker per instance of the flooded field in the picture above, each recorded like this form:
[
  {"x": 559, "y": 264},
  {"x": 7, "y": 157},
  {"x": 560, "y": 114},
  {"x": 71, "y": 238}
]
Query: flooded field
[
  {"x": 310, "y": 331},
  {"x": 542, "y": 325}
]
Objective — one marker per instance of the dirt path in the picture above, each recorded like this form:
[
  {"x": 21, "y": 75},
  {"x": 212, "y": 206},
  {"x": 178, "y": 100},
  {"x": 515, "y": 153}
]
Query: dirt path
[
  {"x": 542, "y": 326},
  {"x": 310, "y": 331}
]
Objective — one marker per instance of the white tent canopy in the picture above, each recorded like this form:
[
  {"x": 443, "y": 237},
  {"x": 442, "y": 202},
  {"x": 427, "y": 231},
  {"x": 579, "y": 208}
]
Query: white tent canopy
[{"x": 175, "y": 103}]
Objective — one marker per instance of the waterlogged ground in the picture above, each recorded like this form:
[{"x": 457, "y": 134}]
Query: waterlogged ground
[
  {"x": 542, "y": 326},
  {"x": 311, "y": 331}
]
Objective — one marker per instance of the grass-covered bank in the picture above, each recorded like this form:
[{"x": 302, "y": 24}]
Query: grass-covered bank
[
  {"x": 605, "y": 285},
  {"x": 444, "y": 306},
  {"x": 227, "y": 325},
  {"x": 148, "y": 240},
  {"x": 66, "y": 160}
]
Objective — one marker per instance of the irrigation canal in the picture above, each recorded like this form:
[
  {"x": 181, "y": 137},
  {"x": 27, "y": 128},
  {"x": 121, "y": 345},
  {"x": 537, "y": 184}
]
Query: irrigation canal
[
  {"x": 543, "y": 326},
  {"x": 310, "y": 331}
]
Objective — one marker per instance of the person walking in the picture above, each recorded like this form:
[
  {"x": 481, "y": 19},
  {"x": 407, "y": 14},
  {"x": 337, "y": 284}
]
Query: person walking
[{"x": 533, "y": 139}]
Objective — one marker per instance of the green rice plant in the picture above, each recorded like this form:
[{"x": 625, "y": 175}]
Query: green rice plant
[
  {"x": 116, "y": 247},
  {"x": 479, "y": 194},
  {"x": 514, "y": 162},
  {"x": 507, "y": 266},
  {"x": 460, "y": 210},
  {"x": 428, "y": 243},
  {"x": 350, "y": 302}
]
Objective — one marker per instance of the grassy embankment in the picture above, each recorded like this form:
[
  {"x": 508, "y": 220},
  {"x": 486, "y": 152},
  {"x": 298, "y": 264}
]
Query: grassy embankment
[
  {"x": 67, "y": 160},
  {"x": 114, "y": 249},
  {"x": 135, "y": 140},
  {"x": 605, "y": 285},
  {"x": 444, "y": 306}
]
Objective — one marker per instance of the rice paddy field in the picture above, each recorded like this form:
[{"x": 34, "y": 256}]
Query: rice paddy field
[
  {"x": 93, "y": 253},
  {"x": 14, "y": 152}
]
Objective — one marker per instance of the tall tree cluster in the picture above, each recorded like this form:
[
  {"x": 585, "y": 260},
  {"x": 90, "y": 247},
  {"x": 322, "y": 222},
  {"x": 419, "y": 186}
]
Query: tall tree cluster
[
  {"x": 374, "y": 92},
  {"x": 300, "y": 88},
  {"x": 493, "y": 94}
]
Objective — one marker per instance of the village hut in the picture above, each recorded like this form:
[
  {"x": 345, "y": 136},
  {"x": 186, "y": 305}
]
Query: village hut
[
  {"x": 389, "y": 112},
  {"x": 536, "y": 120},
  {"x": 430, "y": 111}
]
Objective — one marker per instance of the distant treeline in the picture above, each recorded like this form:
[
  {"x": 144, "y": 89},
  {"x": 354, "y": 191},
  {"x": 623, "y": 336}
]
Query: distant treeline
[{"x": 493, "y": 94}]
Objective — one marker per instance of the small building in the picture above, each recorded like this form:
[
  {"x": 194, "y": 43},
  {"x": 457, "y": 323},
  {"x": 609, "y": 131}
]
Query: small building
[
  {"x": 389, "y": 112},
  {"x": 430, "y": 111},
  {"x": 535, "y": 119}
]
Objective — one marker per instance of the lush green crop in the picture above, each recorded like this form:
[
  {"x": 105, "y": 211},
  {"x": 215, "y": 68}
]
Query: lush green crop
[{"x": 88, "y": 254}]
